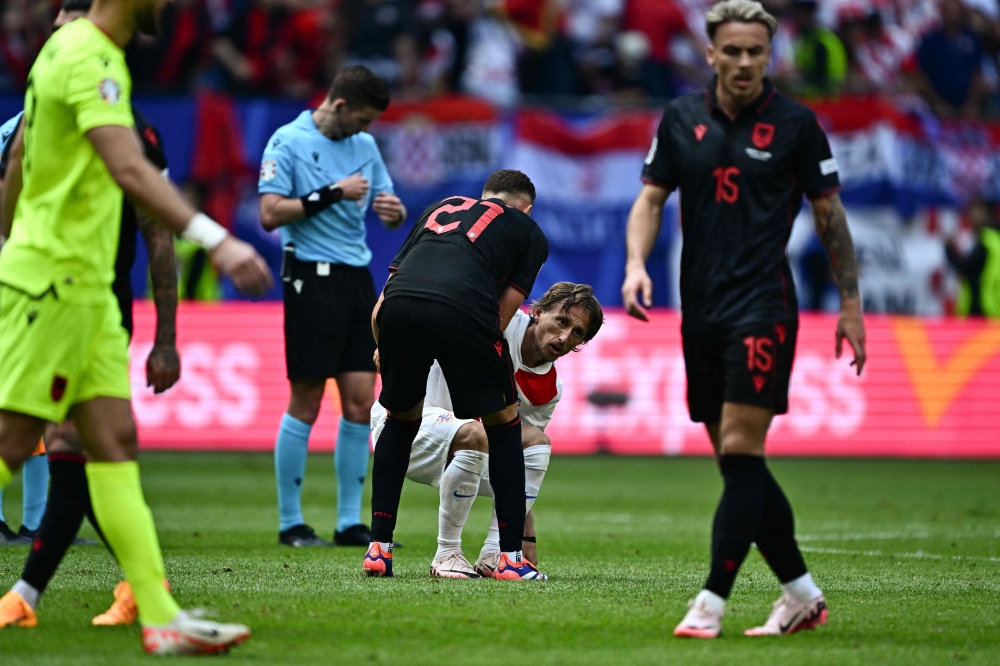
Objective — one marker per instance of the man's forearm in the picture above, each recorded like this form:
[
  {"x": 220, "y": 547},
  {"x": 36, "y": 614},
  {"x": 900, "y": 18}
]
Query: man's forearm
[
  {"x": 163, "y": 276},
  {"x": 831, "y": 225},
  {"x": 644, "y": 222},
  {"x": 278, "y": 211},
  {"x": 11, "y": 183}
]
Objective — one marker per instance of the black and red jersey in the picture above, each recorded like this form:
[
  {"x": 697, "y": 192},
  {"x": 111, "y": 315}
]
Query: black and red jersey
[
  {"x": 464, "y": 252},
  {"x": 741, "y": 184}
]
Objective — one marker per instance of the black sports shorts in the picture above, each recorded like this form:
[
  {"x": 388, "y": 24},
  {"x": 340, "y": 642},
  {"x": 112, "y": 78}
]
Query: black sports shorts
[
  {"x": 751, "y": 365},
  {"x": 328, "y": 319},
  {"x": 413, "y": 332}
]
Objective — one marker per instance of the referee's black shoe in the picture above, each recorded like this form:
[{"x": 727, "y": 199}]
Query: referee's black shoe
[
  {"x": 357, "y": 535},
  {"x": 25, "y": 533},
  {"x": 301, "y": 536},
  {"x": 9, "y": 538}
]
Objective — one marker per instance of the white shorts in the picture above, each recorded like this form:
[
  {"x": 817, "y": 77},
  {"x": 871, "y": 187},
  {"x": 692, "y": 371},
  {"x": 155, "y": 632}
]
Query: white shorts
[{"x": 429, "y": 455}]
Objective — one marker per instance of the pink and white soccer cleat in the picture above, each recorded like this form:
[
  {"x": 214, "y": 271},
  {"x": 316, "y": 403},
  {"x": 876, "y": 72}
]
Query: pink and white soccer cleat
[
  {"x": 378, "y": 561},
  {"x": 189, "y": 634},
  {"x": 790, "y": 615},
  {"x": 452, "y": 565},
  {"x": 701, "y": 621}
]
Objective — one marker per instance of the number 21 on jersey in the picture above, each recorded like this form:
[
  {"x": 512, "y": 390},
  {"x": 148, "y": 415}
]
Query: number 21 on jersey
[{"x": 479, "y": 224}]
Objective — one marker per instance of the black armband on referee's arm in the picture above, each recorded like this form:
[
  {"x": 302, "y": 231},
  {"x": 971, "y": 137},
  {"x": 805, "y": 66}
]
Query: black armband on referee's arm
[{"x": 321, "y": 199}]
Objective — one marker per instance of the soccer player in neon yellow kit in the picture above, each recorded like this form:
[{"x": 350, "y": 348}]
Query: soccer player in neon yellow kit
[{"x": 61, "y": 343}]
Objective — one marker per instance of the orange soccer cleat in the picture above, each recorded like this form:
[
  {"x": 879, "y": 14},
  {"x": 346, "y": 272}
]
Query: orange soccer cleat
[
  {"x": 123, "y": 609},
  {"x": 378, "y": 561},
  {"x": 15, "y": 611}
]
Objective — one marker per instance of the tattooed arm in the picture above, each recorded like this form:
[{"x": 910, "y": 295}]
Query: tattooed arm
[
  {"x": 831, "y": 225},
  {"x": 163, "y": 367}
]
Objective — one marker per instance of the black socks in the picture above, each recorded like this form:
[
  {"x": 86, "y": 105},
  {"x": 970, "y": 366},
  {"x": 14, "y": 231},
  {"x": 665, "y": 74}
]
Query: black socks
[
  {"x": 68, "y": 503},
  {"x": 776, "y": 536},
  {"x": 391, "y": 459},
  {"x": 507, "y": 480},
  {"x": 737, "y": 520}
]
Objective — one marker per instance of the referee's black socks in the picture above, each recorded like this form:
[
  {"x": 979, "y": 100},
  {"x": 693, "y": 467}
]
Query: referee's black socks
[
  {"x": 391, "y": 459},
  {"x": 507, "y": 480},
  {"x": 737, "y": 520}
]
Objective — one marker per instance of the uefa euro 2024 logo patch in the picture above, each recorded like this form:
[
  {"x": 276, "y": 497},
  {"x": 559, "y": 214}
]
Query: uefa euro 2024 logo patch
[
  {"x": 268, "y": 170},
  {"x": 110, "y": 91}
]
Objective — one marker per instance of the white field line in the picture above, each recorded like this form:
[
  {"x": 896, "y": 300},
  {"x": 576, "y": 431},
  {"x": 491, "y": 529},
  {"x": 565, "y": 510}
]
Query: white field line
[
  {"x": 919, "y": 555},
  {"x": 894, "y": 536}
]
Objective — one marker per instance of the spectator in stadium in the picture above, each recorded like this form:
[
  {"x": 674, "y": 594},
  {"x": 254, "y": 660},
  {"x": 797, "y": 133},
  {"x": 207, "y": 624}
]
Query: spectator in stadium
[
  {"x": 591, "y": 26},
  {"x": 675, "y": 54},
  {"x": 820, "y": 58},
  {"x": 21, "y": 36},
  {"x": 979, "y": 267},
  {"x": 951, "y": 77},
  {"x": 381, "y": 35},
  {"x": 878, "y": 54},
  {"x": 546, "y": 63},
  {"x": 469, "y": 50},
  {"x": 170, "y": 61}
]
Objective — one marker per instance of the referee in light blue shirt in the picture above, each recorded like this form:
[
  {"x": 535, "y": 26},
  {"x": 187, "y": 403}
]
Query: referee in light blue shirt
[{"x": 318, "y": 176}]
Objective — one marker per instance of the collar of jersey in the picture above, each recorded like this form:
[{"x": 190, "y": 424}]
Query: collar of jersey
[{"x": 758, "y": 105}]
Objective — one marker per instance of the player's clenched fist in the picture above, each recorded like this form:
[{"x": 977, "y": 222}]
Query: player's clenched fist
[
  {"x": 354, "y": 187},
  {"x": 241, "y": 263},
  {"x": 637, "y": 281},
  {"x": 389, "y": 209}
]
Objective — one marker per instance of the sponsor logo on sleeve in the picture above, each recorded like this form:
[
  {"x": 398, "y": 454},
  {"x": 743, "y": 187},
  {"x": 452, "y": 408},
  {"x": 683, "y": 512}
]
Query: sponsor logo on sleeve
[
  {"x": 110, "y": 91},
  {"x": 268, "y": 170},
  {"x": 826, "y": 167}
]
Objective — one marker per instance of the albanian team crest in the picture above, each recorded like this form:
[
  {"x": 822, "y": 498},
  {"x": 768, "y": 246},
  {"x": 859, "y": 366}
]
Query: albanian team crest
[
  {"x": 763, "y": 134},
  {"x": 110, "y": 91}
]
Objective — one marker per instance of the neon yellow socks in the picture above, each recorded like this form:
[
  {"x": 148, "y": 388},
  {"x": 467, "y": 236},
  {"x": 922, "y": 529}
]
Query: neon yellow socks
[
  {"x": 5, "y": 474},
  {"x": 121, "y": 511}
]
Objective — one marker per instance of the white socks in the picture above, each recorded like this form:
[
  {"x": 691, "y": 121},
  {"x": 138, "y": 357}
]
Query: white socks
[
  {"x": 27, "y": 592},
  {"x": 714, "y": 602},
  {"x": 802, "y": 589},
  {"x": 459, "y": 487}
]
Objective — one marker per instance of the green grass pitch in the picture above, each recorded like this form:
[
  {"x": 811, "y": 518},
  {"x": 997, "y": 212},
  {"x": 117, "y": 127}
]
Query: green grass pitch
[{"x": 908, "y": 553}]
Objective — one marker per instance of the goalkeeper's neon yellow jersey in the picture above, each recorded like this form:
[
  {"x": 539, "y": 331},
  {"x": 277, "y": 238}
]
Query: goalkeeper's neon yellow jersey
[{"x": 68, "y": 216}]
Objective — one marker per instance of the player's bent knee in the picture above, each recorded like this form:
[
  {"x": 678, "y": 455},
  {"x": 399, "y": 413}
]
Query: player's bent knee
[
  {"x": 357, "y": 411},
  {"x": 470, "y": 437},
  {"x": 63, "y": 438}
]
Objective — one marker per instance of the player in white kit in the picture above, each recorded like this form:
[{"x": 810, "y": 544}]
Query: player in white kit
[{"x": 450, "y": 453}]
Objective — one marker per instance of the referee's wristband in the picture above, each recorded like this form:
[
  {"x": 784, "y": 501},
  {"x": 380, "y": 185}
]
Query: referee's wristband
[
  {"x": 205, "y": 231},
  {"x": 321, "y": 199}
]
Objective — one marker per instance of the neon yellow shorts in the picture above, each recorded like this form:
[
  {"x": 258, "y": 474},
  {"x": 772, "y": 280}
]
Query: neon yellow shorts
[{"x": 55, "y": 354}]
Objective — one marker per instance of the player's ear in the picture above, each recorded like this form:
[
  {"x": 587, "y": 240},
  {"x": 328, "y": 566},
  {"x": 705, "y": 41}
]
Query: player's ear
[
  {"x": 527, "y": 211},
  {"x": 710, "y": 55}
]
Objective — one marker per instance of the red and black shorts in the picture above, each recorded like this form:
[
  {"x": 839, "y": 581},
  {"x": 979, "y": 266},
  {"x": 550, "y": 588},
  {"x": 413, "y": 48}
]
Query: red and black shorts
[
  {"x": 474, "y": 358},
  {"x": 750, "y": 365}
]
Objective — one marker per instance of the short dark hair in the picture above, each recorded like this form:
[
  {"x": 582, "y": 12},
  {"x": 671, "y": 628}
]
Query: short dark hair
[
  {"x": 360, "y": 88},
  {"x": 510, "y": 181},
  {"x": 566, "y": 295},
  {"x": 76, "y": 5}
]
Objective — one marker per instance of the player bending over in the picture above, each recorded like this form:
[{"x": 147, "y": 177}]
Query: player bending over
[
  {"x": 62, "y": 346},
  {"x": 462, "y": 273},
  {"x": 451, "y": 453}
]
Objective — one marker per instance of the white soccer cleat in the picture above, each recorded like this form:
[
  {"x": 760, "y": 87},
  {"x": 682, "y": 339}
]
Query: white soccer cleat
[
  {"x": 790, "y": 615},
  {"x": 452, "y": 565},
  {"x": 188, "y": 634},
  {"x": 486, "y": 565},
  {"x": 701, "y": 621}
]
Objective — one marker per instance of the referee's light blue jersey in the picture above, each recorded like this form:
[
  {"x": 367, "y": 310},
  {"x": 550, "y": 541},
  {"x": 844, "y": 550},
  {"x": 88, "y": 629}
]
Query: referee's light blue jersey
[
  {"x": 7, "y": 131},
  {"x": 299, "y": 159}
]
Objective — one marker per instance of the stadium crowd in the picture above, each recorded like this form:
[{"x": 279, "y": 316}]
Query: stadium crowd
[{"x": 944, "y": 54}]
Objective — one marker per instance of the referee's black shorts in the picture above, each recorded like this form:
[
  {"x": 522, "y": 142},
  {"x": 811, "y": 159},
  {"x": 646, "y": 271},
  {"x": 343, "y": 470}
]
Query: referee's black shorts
[
  {"x": 328, "y": 315},
  {"x": 474, "y": 358},
  {"x": 750, "y": 365}
]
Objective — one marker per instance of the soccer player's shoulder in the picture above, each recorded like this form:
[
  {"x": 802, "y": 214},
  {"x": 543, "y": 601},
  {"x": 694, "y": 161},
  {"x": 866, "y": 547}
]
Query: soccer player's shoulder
[
  {"x": 80, "y": 47},
  {"x": 685, "y": 104},
  {"x": 793, "y": 111}
]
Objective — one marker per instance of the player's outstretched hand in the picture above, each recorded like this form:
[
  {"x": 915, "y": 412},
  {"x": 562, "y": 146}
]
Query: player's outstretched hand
[
  {"x": 637, "y": 281},
  {"x": 241, "y": 263},
  {"x": 389, "y": 209},
  {"x": 354, "y": 186},
  {"x": 852, "y": 327},
  {"x": 163, "y": 367}
]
